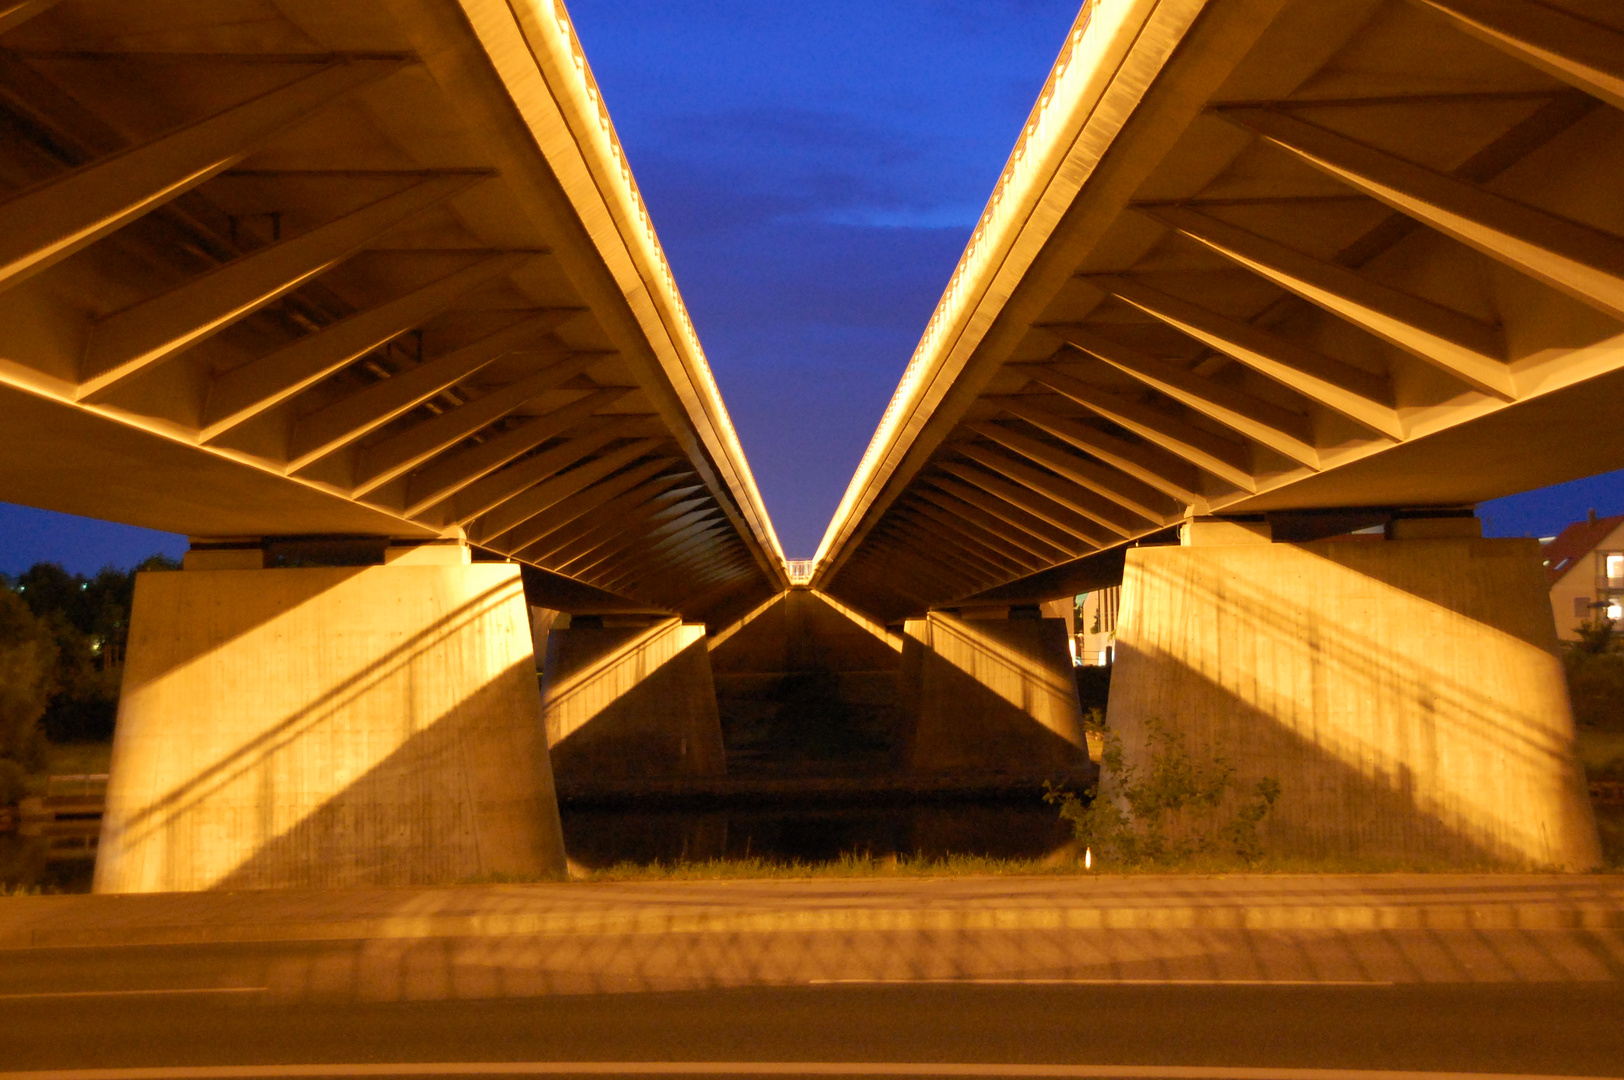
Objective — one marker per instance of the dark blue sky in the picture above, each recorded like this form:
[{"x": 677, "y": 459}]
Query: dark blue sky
[{"x": 814, "y": 171}]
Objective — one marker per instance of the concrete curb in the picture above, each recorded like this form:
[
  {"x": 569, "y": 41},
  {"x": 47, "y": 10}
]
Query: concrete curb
[{"x": 936, "y": 918}]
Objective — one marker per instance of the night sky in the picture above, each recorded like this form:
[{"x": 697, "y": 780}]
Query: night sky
[{"x": 813, "y": 171}]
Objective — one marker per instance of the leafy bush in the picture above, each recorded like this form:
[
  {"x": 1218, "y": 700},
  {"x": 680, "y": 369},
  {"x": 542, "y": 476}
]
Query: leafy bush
[
  {"x": 27, "y": 681},
  {"x": 1596, "y": 688},
  {"x": 13, "y": 782},
  {"x": 1169, "y": 813},
  {"x": 1595, "y": 670}
]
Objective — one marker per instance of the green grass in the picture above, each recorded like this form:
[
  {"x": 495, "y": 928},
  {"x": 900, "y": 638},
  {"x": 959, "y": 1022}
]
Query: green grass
[
  {"x": 846, "y": 866},
  {"x": 853, "y": 866}
]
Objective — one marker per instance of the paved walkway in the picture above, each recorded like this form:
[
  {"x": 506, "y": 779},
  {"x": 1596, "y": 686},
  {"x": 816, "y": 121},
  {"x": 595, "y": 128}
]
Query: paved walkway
[{"x": 520, "y": 940}]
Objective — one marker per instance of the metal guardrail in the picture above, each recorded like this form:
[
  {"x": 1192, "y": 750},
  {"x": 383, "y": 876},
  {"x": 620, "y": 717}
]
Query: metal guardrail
[{"x": 799, "y": 570}]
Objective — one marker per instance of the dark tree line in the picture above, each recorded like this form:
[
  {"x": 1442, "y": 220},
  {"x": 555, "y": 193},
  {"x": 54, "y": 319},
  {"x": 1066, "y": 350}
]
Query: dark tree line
[{"x": 62, "y": 639}]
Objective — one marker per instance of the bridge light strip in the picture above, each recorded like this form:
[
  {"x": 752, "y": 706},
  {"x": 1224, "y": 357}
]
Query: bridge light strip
[
  {"x": 553, "y": 21},
  {"x": 1075, "y": 71}
]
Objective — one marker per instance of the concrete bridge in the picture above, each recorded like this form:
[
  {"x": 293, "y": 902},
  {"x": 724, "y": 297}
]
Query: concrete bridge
[{"x": 364, "y": 300}]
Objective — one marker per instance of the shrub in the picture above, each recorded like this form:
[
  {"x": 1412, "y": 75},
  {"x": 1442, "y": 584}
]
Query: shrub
[
  {"x": 27, "y": 681},
  {"x": 1168, "y": 813}
]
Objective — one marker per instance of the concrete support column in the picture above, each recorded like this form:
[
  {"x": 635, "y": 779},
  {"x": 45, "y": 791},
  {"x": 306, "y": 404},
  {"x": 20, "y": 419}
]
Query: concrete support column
[
  {"x": 991, "y": 695},
  {"x": 631, "y": 700},
  {"x": 329, "y": 726},
  {"x": 1405, "y": 692}
]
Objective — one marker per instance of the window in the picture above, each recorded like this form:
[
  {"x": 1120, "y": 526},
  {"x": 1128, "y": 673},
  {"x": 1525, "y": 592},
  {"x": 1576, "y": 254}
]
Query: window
[
  {"x": 1615, "y": 567},
  {"x": 1615, "y": 608}
]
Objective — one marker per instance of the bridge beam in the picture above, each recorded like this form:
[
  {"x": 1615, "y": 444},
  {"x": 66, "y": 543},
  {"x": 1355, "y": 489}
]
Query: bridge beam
[
  {"x": 1405, "y": 693},
  {"x": 1364, "y": 398},
  {"x": 349, "y": 418},
  {"x": 50, "y": 221},
  {"x": 1031, "y": 502},
  {"x": 246, "y": 391},
  {"x": 327, "y": 726},
  {"x": 515, "y": 518},
  {"x": 606, "y": 552},
  {"x": 1145, "y": 462},
  {"x": 126, "y": 343},
  {"x": 1456, "y": 344},
  {"x": 379, "y": 464},
  {"x": 1227, "y": 460},
  {"x": 1578, "y": 51},
  {"x": 993, "y": 524},
  {"x": 1078, "y": 498},
  {"x": 1280, "y": 429},
  {"x": 574, "y": 518},
  {"x": 1005, "y": 511},
  {"x": 967, "y": 535},
  {"x": 1133, "y": 495},
  {"x": 18, "y": 12},
  {"x": 1578, "y": 259},
  {"x": 485, "y": 495},
  {"x": 444, "y": 477}
]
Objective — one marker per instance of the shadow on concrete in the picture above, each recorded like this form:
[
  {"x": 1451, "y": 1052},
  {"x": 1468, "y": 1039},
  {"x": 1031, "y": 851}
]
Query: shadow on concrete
[
  {"x": 1405, "y": 717},
  {"x": 806, "y": 689},
  {"x": 421, "y": 816},
  {"x": 437, "y": 797},
  {"x": 992, "y": 695},
  {"x": 631, "y": 701},
  {"x": 238, "y": 613}
]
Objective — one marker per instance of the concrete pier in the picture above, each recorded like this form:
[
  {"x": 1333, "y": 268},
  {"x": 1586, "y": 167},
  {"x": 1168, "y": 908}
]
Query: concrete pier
[
  {"x": 806, "y": 689},
  {"x": 632, "y": 700},
  {"x": 990, "y": 695},
  {"x": 1406, "y": 693},
  {"x": 332, "y": 726}
]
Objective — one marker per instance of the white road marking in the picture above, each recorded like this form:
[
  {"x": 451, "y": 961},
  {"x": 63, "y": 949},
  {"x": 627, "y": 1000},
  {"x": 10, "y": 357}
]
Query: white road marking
[
  {"x": 44, "y": 994},
  {"x": 1098, "y": 982},
  {"x": 758, "y": 1068}
]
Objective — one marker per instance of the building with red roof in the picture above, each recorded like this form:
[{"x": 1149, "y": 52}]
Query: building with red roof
[{"x": 1584, "y": 565}]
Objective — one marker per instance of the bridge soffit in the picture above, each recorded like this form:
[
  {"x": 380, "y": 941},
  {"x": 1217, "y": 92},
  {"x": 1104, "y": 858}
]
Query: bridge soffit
[
  {"x": 307, "y": 264},
  {"x": 1351, "y": 260}
]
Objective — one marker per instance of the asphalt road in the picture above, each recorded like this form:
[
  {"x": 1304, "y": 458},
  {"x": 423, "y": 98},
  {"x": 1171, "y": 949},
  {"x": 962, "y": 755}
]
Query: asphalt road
[{"x": 173, "y": 1006}]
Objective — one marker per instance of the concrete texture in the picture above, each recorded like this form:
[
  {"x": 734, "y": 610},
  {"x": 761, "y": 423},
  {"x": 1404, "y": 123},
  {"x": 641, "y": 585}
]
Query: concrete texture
[
  {"x": 991, "y": 695},
  {"x": 1406, "y": 694},
  {"x": 328, "y": 727},
  {"x": 523, "y": 940},
  {"x": 806, "y": 688},
  {"x": 632, "y": 701}
]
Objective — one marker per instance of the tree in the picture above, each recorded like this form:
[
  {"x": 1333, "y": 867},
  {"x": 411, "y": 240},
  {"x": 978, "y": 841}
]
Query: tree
[
  {"x": 27, "y": 681},
  {"x": 89, "y": 621}
]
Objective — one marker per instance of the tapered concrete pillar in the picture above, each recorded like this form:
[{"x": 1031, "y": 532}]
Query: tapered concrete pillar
[
  {"x": 632, "y": 701},
  {"x": 375, "y": 725},
  {"x": 991, "y": 695},
  {"x": 1406, "y": 693}
]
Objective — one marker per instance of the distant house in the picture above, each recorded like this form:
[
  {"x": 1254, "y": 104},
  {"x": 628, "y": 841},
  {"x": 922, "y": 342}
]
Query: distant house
[
  {"x": 1094, "y": 641},
  {"x": 1584, "y": 565}
]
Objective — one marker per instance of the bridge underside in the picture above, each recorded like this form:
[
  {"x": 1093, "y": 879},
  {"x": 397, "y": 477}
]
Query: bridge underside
[
  {"x": 1263, "y": 258},
  {"x": 1283, "y": 270},
  {"x": 364, "y": 300}
]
